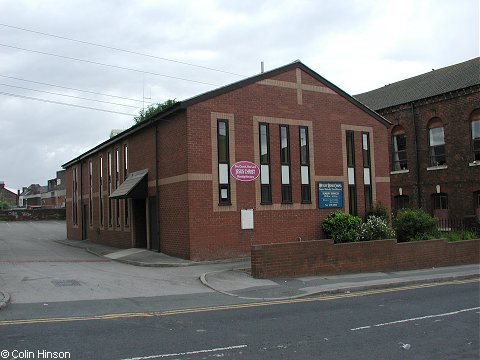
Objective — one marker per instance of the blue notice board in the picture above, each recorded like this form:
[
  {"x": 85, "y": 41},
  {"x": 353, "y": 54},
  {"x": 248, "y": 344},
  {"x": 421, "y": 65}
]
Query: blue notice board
[{"x": 330, "y": 194}]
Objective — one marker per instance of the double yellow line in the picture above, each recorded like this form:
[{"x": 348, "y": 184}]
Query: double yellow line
[{"x": 234, "y": 306}]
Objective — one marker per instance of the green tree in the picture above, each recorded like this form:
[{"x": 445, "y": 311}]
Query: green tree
[
  {"x": 153, "y": 110},
  {"x": 4, "y": 205}
]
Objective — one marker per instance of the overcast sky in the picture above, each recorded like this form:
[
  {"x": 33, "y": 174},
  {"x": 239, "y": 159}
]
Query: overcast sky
[{"x": 357, "y": 45}]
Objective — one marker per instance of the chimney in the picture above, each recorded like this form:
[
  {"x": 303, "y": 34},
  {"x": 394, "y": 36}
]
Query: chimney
[{"x": 2, "y": 184}]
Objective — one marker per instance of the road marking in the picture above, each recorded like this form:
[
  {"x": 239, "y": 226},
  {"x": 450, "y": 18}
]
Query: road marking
[
  {"x": 227, "y": 348},
  {"x": 326, "y": 297},
  {"x": 23, "y": 261},
  {"x": 415, "y": 319}
]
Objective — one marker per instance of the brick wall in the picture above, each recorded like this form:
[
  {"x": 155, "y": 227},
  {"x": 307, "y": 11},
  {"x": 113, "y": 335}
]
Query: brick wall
[
  {"x": 459, "y": 180},
  {"x": 325, "y": 257},
  {"x": 216, "y": 233},
  {"x": 32, "y": 215}
]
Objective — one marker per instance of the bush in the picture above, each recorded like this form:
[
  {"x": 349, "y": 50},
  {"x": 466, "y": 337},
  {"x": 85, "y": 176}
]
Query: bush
[
  {"x": 415, "y": 224},
  {"x": 378, "y": 210},
  {"x": 460, "y": 235},
  {"x": 4, "y": 205},
  {"x": 376, "y": 228},
  {"x": 342, "y": 227}
]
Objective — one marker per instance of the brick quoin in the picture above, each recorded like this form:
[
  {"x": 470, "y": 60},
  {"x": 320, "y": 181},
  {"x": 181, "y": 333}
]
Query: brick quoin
[{"x": 191, "y": 224}]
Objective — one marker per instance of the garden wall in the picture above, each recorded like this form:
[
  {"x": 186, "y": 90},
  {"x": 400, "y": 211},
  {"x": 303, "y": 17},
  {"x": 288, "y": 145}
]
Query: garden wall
[
  {"x": 32, "y": 214},
  {"x": 325, "y": 257}
]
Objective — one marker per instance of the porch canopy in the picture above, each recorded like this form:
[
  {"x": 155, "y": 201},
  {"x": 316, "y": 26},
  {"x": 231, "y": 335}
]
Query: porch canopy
[{"x": 134, "y": 187}]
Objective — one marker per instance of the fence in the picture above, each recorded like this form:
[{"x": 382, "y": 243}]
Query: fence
[{"x": 470, "y": 223}]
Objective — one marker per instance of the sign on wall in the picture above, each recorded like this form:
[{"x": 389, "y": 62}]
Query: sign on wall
[
  {"x": 245, "y": 171},
  {"x": 330, "y": 194}
]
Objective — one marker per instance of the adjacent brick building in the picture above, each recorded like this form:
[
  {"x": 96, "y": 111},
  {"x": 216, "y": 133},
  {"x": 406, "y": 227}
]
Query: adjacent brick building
[
  {"x": 8, "y": 196},
  {"x": 54, "y": 195},
  {"x": 165, "y": 184},
  {"x": 434, "y": 140}
]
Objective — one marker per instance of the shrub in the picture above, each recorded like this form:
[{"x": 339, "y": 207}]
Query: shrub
[
  {"x": 415, "y": 224},
  {"x": 342, "y": 227},
  {"x": 4, "y": 205},
  {"x": 460, "y": 235},
  {"x": 378, "y": 210},
  {"x": 376, "y": 228}
]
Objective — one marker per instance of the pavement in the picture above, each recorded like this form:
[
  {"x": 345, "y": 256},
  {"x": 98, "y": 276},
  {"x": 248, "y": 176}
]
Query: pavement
[{"x": 233, "y": 277}]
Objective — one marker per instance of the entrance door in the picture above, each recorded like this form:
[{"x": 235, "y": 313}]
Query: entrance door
[
  {"x": 153, "y": 221},
  {"x": 139, "y": 217}
]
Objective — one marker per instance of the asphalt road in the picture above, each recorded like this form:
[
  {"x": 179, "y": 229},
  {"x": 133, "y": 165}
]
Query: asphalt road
[
  {"x": 435, "y": 322},
  {"x": 36, "y": 269}
]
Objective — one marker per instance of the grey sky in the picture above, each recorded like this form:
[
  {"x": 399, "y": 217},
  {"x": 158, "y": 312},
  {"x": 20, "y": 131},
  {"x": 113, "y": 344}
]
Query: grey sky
[{"x": 357, "y": 45}]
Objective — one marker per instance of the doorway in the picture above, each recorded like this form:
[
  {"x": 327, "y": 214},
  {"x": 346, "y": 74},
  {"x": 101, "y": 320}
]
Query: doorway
[
  {"x": 139, "y": 218},
  {"x": 153, "y": 223}
]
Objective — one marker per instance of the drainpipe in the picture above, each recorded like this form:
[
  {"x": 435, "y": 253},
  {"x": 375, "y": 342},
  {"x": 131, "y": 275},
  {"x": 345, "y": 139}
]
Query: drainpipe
[
  {"x": 81, "y": 198},
  {"x": 157, "y": 201},
  {"x": 415, "y": 138}
]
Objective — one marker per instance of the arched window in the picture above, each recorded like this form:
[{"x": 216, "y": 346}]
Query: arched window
[
  {"x": 476, "y": 203},
  {"x": 436, "y": 142},
  {"x": 440, "y": 208},
  {"x": 401, "y": 202},
  {"x": 440, "y": 201},
  {"x": 399, "y": 149},
  {"x": 475, "y": 130}
]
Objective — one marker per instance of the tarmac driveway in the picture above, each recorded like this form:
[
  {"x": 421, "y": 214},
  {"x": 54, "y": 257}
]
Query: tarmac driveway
[{"x": 34, "y": 268}]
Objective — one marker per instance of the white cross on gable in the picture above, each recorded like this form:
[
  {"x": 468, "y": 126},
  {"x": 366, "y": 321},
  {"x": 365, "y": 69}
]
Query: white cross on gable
[{"x": 298, "y": 85}]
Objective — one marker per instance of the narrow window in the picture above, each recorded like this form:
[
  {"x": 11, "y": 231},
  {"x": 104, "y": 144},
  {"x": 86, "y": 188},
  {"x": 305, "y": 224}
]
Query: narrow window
[
  {"x": 125, "y": 161},
  {"x": 305, "y": 166},
  {"x": 266, "y": 187},
  {"x": 399, "y": 149},
  {"x": 117, "y": 183},
  {"x": 367, "y": 177},
  {"x": 74, "y": 197},
  {"x": 476, "y": 139},
  {"x": 110, "y": 217},
  {"x": 100, "y": 192},
  {"x": 285, "y": 164},
  {"x": 223, "y": 162},
  {"x": 436, "y": 143},
  {"x": 90, "y": 192},
  {"x": 125, "y": 175},
  {"x": 352, "y": 190}
]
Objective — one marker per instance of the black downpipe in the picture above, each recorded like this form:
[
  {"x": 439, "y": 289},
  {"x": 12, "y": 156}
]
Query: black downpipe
[
  {"x": 157, "y": 202},
  {"x": 82, "y": 215},
  {"x": 417, "y": 160}
]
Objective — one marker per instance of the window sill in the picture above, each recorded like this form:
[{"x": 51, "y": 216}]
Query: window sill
[
  {"x": 399, "y": 172},
  {"x": 474, "y": 163},
  {"x": 439, "y": 167}
]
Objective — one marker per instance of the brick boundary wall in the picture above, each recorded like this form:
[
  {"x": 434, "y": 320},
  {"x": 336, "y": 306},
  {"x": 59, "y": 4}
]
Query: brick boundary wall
[
  {"x": 325, "y": 257},
  {"x": 32, "y": 214}
]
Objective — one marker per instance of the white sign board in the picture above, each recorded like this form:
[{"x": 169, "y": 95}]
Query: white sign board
[{"x": 247, "y": 219}]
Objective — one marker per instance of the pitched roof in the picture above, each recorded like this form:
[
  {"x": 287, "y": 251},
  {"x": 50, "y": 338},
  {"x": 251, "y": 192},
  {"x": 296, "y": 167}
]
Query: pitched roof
[
  {"x": 435, "y": 82},
  {"x": 182, "y": 105}
]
